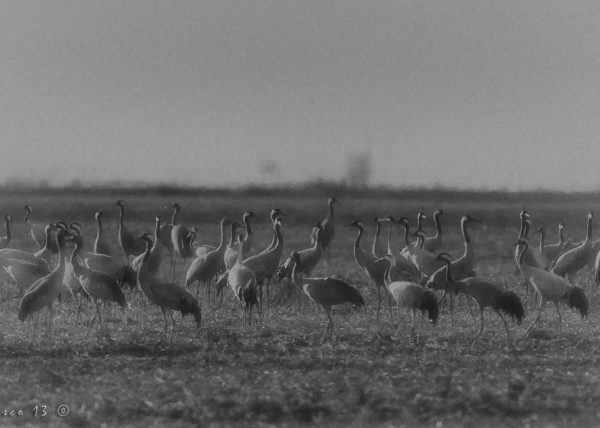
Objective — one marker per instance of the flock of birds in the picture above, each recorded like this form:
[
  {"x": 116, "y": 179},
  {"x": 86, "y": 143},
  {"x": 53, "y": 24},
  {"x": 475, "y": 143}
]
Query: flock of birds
[{"x": 409, "y": 277}]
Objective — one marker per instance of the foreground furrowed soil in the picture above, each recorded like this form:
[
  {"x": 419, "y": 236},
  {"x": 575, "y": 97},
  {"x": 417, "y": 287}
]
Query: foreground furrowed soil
[{"x": 278, "y": 371}]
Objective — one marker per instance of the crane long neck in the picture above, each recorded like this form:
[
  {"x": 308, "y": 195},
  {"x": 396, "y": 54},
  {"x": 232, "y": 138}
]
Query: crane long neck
[
  {"x": 387, "y": 279},
  {"x": 376, "y": 239},
  {"x": 77, "y": 269},
  {"x": 438, "y": 224},
  {"x": 542, "y": 239},
  {"x": 48, "y": 233},
  {"x": 156, "y": 242},
  {"x": 7, "y": 227},
  {"x": 175, "y": 215},
  {"x": 389, "y": 239},
  {"x": 232, "y": 237},
  {"x": 357, "y": 240},
  {"x": 465, "y": 234},
  {"x": 240, "y": 255},
  {"x": 27, "y": 214},
  {"x": 522, "y": 227},
  {"x": 59, "y": 244},
  {"x": 522, "y": 254},
  {"x": 222, "y": 241},
  {"x": 561, "y": 235},
  {"x": 247, "y": 225},
  {"x": 419, "y": 223},
  {"x": 588, "y": 235},
  {"x": 330, "y": 213},
  {"x": 279, "y": 236},
  {"x": 406, "y": 231},
  {"x": 449, "y": 278},
  {"x": 99, "y": 233},
  {"x": 121, "y": 216}
]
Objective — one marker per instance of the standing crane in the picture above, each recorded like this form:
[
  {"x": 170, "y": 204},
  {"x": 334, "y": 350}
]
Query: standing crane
[
  {"x": 434, "y": 243},
  {"x": 309, "y": 258},
  {"x": 45, "y": 290},
  {"x": 487, "y": 295},
  {"x": 243, "y": 284},
  {"x": 167, "y": 296},
  {"x": 99, "y": 286},
  {"x": 130, "y": 245},
  {"x": 426, "y": 262},
  {"x": 328, "y": 224},
  {"x": 230, "y": 255},
  {"x": 154, "y": 259},
  {"x": 327, "y": 292},
  {"x": 551, "y": 288},
  {"x": 412, "y": 296},
  {"x": 203, "y": 269},
  {"x": 372, "y": 267}
]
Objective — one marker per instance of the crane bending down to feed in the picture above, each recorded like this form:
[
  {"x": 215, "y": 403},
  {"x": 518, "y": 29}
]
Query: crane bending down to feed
[
  {"x": 167, "y": 296},
  {"x": 487, "y": 295},
  {"x": 553, "y": 288},
  {"x": 413, "y": 297},
  {"x": 327, "y": 292}
]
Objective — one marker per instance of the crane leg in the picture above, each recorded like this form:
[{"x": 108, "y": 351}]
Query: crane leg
[
  {"x": 542, "y": 303},
  {"x": 378, "y": 301},
  {"x": 99, "y": 318},
  {"x": 451, "y": 309},
  {"x": 172, "y": 327},
  {"x": 559, "y": 317},
  {"x": 166, "y": 325},
  {"x": 329, "y": 329},
  {"x": 412, "y": 325},
  {"x": 482, "y": 322},
  {"x": 421, "y": 326},
  {"x": 508, "y": 338},
  {"x": 389, "y": 298},
  {"x": 90, "y": 327}
]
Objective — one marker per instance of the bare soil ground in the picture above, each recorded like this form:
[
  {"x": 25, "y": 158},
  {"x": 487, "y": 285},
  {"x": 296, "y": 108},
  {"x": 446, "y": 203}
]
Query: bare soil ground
[{"x": 278, "y": 372}]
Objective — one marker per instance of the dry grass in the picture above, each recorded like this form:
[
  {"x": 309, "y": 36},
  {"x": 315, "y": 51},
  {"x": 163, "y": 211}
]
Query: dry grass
[{"x": 279, "y": 372}]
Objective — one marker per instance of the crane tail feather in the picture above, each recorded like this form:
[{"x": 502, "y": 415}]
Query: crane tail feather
[
  {"x": 511, "y": 304},
  {"x": 579, "y": 300}
]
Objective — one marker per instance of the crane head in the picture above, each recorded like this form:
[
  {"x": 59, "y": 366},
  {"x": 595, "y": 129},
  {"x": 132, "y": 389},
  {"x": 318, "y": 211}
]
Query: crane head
[
  {"x": 248, "y": 214},
  {"x": 445, "y": 257},
  {"x": 438, "y": 212},
  {"x": 332, "y": 201},
  {"x": 119, "y": 203},
  {"x": 276, "y": 213},
  {"x": 6, "y": 217},
  {"x": 97, "y": 215}
]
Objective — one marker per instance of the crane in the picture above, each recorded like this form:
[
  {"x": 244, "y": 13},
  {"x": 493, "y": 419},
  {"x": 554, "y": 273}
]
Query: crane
[
  {"x": 328, "y": 224},
  {"x": 372, "y": 267},
  {"x": 130, "y": 245},
  {"x": 327, "y": 292},
  {"x": 426, "y": 262},
  {"x": 412, "y": 296},
  {"x": 204, "y": 268},
  {"x": 434, "y": 243},
  {"x": 230, "y": 255},
  {"x": 155, "y": 257},
  {"x": 551, "y": 288},
  {"x": 167, "y": 296},
  {"x": 243, "y": 284},
  {"x": 309, "y": 258},
  {"x": 99, "y": 286},
  {"x": 44, "y": 291},
  {"x": 487, "y": 295}
]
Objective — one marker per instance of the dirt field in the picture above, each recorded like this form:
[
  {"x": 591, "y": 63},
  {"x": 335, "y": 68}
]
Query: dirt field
[{"x": 278, "y": 372}]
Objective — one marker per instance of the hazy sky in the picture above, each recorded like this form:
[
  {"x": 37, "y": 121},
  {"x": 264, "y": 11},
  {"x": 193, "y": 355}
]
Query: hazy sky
[{"x": 502, "y": 94}]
